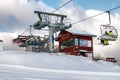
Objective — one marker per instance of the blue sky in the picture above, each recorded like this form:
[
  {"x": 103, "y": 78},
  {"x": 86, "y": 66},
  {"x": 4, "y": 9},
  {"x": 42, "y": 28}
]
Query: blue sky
[
  {"x": 96, "y": 4},
  {"x": 88, "y": 4}
]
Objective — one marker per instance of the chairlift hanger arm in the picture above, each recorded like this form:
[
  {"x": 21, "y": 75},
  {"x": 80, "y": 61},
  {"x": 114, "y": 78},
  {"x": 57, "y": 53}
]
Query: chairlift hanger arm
[{"x": 109, "y": 17}]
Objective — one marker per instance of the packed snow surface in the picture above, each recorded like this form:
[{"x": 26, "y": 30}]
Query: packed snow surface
[{"x": 21, "y": 65}]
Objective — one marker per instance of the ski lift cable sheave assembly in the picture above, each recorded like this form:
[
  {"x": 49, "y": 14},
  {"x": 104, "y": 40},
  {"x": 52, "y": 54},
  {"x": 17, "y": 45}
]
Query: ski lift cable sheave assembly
[{"x": 55, "y": 22}]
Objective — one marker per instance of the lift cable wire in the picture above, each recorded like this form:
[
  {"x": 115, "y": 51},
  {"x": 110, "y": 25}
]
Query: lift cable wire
[
  {"x": 26, "y": 30},
  {"x": 62, "y": 6},
  {"x": 96, "y": 15},
  {"x": 52, "y": 12}
]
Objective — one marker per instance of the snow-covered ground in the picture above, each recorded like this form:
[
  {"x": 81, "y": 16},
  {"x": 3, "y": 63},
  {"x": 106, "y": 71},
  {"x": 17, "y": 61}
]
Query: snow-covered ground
[{"x": 21, "y": 65}]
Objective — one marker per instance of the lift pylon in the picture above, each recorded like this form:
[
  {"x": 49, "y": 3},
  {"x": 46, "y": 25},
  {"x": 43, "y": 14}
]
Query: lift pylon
[{"x": 55, "y": 23}]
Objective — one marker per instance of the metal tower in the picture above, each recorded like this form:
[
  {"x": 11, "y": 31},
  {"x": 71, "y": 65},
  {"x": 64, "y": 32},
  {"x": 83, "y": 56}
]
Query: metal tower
[{"x": 55, "y": 23}]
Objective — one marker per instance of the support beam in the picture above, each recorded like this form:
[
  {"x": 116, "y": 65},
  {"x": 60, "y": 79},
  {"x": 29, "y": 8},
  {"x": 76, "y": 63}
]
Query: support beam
[
  {"x": 51, "y": 40},
  {"x": 59, "y": 15}
]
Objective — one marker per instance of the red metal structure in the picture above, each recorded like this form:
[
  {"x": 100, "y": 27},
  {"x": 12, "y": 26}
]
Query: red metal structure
[
  {"x": 75, "y": 42},
  {"x": 20, "y": 39}
]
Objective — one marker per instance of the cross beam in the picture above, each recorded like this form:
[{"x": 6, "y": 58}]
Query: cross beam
[
  {"x": 52, "y": 14},
  {"x": 39, "y": 13}
]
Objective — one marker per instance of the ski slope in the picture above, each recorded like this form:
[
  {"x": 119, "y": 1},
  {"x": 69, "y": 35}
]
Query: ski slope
[{"x": 21, "y": 65}]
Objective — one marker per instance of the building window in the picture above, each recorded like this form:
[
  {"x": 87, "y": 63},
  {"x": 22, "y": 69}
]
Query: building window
[
  {"x": 85, "y": 43},
  {"x": 66, "y": 43},
  {"x": 69, "y": 42},
  {"x": 63, "y": 44},
  {"x": 76, "y": 42}
]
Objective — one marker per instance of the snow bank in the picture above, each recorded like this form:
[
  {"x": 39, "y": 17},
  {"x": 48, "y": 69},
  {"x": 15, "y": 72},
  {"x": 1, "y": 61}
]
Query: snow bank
[{"x": 54, "y": 61}]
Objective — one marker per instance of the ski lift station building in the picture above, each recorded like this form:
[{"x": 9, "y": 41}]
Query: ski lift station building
[
  {"x": 74, "y": 42},
  {"x": 1, "y": 45}
]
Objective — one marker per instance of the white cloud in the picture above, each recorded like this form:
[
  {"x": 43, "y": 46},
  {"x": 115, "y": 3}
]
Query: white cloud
[{"x": 16, "y": 14}]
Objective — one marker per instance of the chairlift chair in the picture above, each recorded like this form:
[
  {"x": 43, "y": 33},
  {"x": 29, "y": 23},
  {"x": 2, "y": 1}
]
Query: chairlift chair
[
  {"x": 105, "y": 31},
  {"x": 33, "y": 41},
  {"x": 108, "y": 32}
]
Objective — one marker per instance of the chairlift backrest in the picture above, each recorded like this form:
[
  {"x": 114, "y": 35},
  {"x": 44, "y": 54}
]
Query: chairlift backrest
[
  {"x": 108, "y": 33},
  {"x": 108, "y": 29}
]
